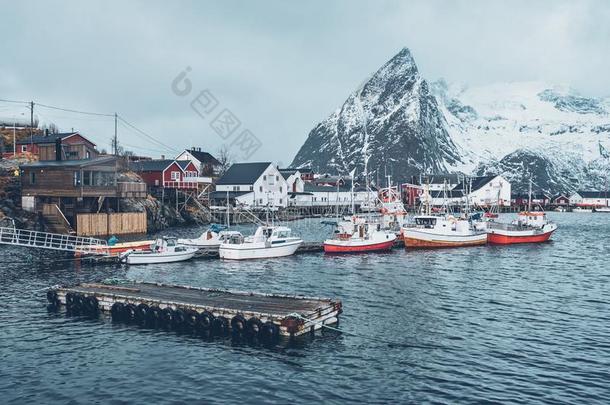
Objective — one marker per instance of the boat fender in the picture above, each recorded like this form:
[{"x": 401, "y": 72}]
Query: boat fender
[
  {"x": 91, "y": 305},
  {"x": 220, "y": 326},
  {"x": 154, "y": 316},
  {"x": 141, "y": 314},
  {"x": 129, "y": 312},
  {"x": 270, "y": 332},
  {"x": 190, "y": 319},
  {"x": 167, "y": 317},
  {"x": 69, "y": 300},
  {"x": 116, "y": 311},
  {"x": 238, "y": 324},
  {"x": 179, "y": 318},
  {"x": 52, "y": 296},
  {"x": 204, "y": 321},
  {"x": 78, "y": 303},
  {"x": 254, "y": 326}
]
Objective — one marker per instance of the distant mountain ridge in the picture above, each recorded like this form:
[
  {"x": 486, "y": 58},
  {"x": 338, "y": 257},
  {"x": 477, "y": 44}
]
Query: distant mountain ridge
[{"x": 400, "y": 124}]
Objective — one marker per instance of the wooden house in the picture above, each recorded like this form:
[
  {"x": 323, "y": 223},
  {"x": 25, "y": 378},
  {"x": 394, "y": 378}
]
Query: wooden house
[
  {"x": 164, "y": 173},
  {"x": 58, "y": 147},
  {"x": 560, "y": 200},
  {"x": 207, "y": 164},
  {"x": 259, "y": 184},
  {"x": 293, "y": 180}
]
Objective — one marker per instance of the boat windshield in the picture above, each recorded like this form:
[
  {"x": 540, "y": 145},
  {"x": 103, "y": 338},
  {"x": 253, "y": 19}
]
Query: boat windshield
[
  {"x": 283, "y": 234},
  {"x": 427, "y": 222}
]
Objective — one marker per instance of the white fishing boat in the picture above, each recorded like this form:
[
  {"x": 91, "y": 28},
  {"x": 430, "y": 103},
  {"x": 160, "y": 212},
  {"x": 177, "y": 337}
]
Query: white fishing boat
[
  {"x": 267, "y": 242},
  {"x": 428, "y": 231},
  {"x": 165, "y": 250},
  {"x": 210, "y": 239},
  {"x": 582, "y": 210},
  {"x": 359, "y": 236},
  {"x": 602, "y": 209}
]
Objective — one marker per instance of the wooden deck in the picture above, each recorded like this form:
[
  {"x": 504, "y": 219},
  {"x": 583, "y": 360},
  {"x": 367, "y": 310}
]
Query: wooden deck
[{"x": 291, "y": 315}]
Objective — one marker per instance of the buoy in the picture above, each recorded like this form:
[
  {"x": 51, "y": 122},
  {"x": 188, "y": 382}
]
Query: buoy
[
  {"x": 116, "y": 311},
  {"x": 220, "y": 326}
]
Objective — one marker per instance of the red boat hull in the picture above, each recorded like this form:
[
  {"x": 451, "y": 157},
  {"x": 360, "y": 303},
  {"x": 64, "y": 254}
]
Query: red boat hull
[
  {"x": 375, "y": 247},
  {"x": 499, "y": 239}
]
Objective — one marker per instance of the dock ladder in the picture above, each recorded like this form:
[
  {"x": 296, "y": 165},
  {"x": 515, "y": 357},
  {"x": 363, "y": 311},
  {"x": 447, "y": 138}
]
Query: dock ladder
[{"x": 53, "y": 241}]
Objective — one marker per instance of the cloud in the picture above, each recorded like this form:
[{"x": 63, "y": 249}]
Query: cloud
[{"x": 279, "y": 66}]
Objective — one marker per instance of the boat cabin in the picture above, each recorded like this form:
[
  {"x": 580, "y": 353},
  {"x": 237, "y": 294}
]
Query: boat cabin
[
  {"x": 536, "y": 219},
  {"x": 426, "y": 222}
]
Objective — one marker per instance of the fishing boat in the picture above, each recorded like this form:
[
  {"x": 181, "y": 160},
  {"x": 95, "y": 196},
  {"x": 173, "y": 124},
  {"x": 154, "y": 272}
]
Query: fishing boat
[
  {"x": 267, "y": 242},
  {"x": 164, "y": 250},
  {"x": 429, "y": 231},
  {"x": 529, "y": 227},
  {"x": 212, "y": 238},
  {"x": 602, "y": 209},
  {"x": 582, "y": 210},
  {"x": 359, "y": 236}
]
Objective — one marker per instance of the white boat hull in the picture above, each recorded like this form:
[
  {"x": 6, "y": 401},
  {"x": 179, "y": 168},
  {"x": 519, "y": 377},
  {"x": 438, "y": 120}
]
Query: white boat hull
[
  {"x": 154, "y": 258},
  {"x": 424, "y": 238},
  {"x": 246, "y": 251}
]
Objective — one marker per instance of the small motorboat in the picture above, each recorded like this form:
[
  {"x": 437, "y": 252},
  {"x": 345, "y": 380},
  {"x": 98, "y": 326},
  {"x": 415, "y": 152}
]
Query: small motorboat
[
  {"x": 212, "y": 238},
  {"x": 602, "y": 209},
  {"x": 429, "y": 231},
  {"x": 164, "y": 250},
  {"x": 359, "y": 236},
  {"x": 530, "y": 227},
  {"x": 267, "y": 242},
  {"x": 582, "y": 210}
]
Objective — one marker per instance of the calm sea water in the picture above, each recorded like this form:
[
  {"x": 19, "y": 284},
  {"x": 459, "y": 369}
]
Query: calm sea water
[{"x": 519, "y": 324}]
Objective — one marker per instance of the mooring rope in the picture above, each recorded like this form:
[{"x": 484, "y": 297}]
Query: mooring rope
[{"x": 373, "y": 338}]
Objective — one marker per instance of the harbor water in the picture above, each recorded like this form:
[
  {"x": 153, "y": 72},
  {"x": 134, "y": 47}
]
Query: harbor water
[{"x": 519, "y": 324}]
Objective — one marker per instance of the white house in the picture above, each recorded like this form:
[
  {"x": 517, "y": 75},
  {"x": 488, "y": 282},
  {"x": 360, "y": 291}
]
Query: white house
[
  {"x": 254, "y": 185},
  {"x": 485, "y": 190},
  {"x": 293, "y": 179},
  {"x": 207, "y": 164},
  {"x": 316, "y": 195},
  {"x": 590, "y": 198}
]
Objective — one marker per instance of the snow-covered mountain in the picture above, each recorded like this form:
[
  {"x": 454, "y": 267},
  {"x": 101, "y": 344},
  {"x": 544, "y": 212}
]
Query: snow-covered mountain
[{"x": 516, "y": 129}]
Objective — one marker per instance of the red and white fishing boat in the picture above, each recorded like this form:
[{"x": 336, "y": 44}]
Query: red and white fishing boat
[
  {"x": 359, "y": 236},
  {"x": 429, "y": 231},
  {"x": 530, "y": 227}
]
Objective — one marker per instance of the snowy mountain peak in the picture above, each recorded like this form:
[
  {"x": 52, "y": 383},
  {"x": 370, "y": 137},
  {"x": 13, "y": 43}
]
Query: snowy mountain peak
[{"x": 397, "y": 123}]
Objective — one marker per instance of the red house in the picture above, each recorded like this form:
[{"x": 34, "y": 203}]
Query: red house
[
  {"x": 411, "y": 193},
  {"x": 182, "y": 174}
]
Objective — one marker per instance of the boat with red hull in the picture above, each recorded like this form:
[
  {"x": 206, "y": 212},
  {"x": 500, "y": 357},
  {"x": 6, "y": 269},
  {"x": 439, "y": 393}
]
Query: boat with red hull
[
  {"x": 530, "y": 227},
  {"x": 356, "y": 247},
  {"x": 359, "y": 236}
]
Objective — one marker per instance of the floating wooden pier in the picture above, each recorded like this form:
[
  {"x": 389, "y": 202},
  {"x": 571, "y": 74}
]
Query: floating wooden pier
[{"x": 218, "y": 312}]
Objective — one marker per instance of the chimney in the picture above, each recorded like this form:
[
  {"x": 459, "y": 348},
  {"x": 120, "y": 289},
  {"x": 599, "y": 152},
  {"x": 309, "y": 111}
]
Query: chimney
[
  {"x": 46, "y": 132},
  {"x": 58, "y": 149},
  {"x": 162, "y": 157}
]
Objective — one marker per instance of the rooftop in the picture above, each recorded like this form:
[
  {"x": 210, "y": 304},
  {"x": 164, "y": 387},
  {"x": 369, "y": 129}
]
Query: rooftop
[
  {"x": 101, "y": 160},
  {"x": 243, "y": 173}
]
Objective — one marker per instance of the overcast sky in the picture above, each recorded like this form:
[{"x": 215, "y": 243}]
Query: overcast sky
[{"x": 279, "y": 67}]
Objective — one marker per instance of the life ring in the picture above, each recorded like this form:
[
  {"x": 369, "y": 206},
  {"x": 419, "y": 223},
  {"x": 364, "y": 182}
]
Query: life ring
[
  {"x": 220, "y": 326},
  {"x": 270, "y": 332},
  {"x": 190, "y": 319},
  {"x": 238, "y": 324},
  {"x": 205, "y": 320},
  {"x": 129, "y": 313},
  {"x": 116, "y": 311},
  {"x": 253, "y": 326},
  {"x": 141, "y": 315},
  {"x": 167, "y": 317}
]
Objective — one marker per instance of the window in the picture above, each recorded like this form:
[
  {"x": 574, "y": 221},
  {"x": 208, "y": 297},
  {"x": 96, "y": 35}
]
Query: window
[
  {"x": 264, "y": 178},
  {"x": 24, "y": 148},
  {"x": 280, "y": 189},
  {"x": 175, "y": 176},
  {"x": 280, "y": 200},
  {"x": 260, "y": 201},
  {"x": 235, "y": 188},
  {"x": 87, "y": 155},
  {"x": 260, "y": 189},
  {"x": 32, "y": 178},
  {"x": 87, "y": 178},
  {"x": 77, "y": 179}
]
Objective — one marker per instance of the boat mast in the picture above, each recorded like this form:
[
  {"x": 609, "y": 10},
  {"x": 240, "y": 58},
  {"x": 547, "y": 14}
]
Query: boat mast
[
  {"x": 352, "y": 195},
  {"x": 227, "y": 219},
  {"x": 529, "y": 197}
]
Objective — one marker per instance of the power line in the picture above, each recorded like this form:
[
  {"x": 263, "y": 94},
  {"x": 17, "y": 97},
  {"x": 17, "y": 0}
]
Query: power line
[
  {"x": 15, "y": 101},
  {"x": 146, "y": 135},
  {"x": 74, "y": 111}
]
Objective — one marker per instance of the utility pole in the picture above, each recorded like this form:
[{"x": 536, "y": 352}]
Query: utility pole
[
  {"x": 14, "y": 140},
  {"x": 116, "y": 145},
  {"x": 31, "y": 123}
]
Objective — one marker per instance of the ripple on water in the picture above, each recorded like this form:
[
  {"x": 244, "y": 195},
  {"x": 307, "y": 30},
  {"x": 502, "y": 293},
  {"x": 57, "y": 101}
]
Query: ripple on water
[{"x": 519, "y": 324}]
